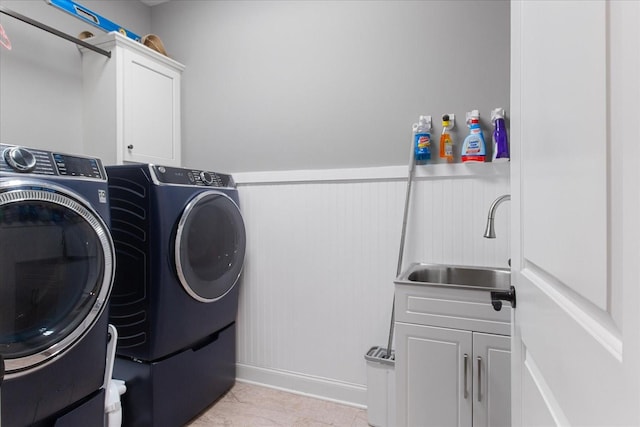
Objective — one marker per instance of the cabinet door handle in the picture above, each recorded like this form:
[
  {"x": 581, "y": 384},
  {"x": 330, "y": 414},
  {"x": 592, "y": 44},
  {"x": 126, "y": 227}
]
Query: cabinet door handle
[
  {"x": 479, "y": 359},
  {"x": 466, "y": 390},
  {"x": 130, "y": 146}
]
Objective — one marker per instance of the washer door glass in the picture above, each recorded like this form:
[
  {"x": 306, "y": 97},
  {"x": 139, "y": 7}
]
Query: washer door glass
[
  {"x": 210, "y": 246},
  {"x": 56, "y": 267}
]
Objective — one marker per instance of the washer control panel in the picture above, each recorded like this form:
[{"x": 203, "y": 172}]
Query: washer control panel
[
  {"x": 20, "y": 159},
  {"x": 199, "y": 178},
  {"x": 17, "y": 159}
]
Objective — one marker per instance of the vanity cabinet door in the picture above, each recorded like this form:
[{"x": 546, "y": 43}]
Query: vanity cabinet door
[
  {"x": 491, "y": 380},
  {"x": 434, "y": 376}
]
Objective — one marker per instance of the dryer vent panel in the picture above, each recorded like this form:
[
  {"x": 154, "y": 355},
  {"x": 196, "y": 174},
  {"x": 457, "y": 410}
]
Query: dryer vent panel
[{"x": 130, "y": 233}]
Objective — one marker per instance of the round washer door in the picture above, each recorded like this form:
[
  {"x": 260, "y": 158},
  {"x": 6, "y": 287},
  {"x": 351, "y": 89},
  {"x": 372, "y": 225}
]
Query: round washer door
[
  {"x": 210, "y": 246},
  {"x": 56, "y": 259}
]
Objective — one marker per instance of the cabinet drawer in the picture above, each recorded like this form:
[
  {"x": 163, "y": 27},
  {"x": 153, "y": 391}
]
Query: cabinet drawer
[{"x": 466, "y": 309}]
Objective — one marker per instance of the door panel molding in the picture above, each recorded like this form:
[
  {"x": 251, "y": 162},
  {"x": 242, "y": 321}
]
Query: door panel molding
[
  {"x": 533, "y": 377},
  {"x": 595, "y": 321}
]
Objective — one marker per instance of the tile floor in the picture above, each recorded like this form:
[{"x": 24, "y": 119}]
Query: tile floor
[{"x": 252, "y": 405}]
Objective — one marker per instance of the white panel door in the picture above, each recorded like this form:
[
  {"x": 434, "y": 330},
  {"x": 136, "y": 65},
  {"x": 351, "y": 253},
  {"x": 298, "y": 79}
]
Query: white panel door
[{"x": 574, "y": 134}]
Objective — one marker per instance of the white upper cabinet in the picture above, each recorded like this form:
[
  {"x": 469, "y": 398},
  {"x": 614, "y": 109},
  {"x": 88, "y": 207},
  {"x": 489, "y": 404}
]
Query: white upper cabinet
[{"x": 131, "y": 103}]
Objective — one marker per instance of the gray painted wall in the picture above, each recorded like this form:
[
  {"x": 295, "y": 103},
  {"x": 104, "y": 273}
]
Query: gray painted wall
[
  {"x": 41, "y": 77},
  {"x": 286, "y": 85},
  {"x": 276, "y": 85}
]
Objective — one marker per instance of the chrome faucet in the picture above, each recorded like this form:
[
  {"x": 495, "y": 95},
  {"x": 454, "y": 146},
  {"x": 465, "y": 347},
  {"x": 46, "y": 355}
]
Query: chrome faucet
[{"x": 490, "y": 232}]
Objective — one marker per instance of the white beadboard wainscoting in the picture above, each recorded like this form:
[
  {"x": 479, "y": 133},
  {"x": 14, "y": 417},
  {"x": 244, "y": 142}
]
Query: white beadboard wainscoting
[{"x": 322, "y": 253}]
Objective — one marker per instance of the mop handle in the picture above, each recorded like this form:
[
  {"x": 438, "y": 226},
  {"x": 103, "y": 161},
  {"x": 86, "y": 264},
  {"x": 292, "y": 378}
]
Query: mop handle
[
  {"x": 406, "y": 214},
  {"x": 412, "y": 168}
]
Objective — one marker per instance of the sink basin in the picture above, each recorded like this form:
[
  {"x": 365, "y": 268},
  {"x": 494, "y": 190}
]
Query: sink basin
[{"x": 456, "y": 275}]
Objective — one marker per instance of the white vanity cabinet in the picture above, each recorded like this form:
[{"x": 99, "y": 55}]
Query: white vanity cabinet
[
  {"x": 452, "y": 358},
  {"x": 131, "y": 103}
]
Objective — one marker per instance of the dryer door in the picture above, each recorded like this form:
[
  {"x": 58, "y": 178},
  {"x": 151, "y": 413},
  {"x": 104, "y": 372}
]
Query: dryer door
[
  {"x": 210, "y": 246},
  {"x": 56, "y": 267}
]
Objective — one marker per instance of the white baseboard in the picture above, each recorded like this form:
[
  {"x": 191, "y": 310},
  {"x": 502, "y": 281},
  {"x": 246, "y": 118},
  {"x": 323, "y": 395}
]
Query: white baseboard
[{"x": 293, "y": 382}]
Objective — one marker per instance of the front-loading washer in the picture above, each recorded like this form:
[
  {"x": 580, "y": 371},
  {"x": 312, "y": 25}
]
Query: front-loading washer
[
  {"x": 180, "y": 244},
  {"x": 57, "y": 266}
]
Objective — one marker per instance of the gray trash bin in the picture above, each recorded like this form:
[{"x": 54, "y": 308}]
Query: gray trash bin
[{"x": 381, "y": 387}]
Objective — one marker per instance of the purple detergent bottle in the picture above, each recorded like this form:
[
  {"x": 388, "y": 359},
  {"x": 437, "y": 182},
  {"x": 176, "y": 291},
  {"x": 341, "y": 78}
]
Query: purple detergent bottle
[{"x": 500, "y": 139}]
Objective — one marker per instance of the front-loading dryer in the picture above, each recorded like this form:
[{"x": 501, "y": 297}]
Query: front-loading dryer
[
  {"x": 57, "y": 265},
  {"x": 180, "y": 245}
]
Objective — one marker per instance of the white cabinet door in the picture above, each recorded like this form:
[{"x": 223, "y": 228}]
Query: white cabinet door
[
  {"x": 575, "y": 207},
  {"x": 491, "y": 380},
  {"x": 151, "y": 109},
  {"x": 434, "y": 376},
  {"x": 131, "y": 103}
]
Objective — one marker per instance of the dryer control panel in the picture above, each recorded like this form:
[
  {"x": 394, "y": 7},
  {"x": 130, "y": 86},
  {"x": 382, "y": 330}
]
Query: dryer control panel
[
  {"x": 195, "y": 177},
  {"x": 17, "y": 159}
]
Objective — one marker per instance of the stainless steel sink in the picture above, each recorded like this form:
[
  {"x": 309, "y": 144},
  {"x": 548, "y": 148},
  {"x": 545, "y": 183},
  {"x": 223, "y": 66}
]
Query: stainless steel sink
[{"x": 456, "y": 275}]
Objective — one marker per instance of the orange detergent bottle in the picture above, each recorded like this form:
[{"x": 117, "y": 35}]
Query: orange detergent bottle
[{"x": 446, "y": 143}]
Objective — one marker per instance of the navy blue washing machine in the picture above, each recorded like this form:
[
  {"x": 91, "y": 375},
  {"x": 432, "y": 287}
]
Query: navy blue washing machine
[
  {"x": 57, "y": 264},
  {"x": 180, "y": 245}
]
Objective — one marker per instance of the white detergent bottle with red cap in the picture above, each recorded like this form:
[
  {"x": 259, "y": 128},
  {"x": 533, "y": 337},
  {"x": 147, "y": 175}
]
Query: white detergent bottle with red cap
[{"x": 474, "y": 148}]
